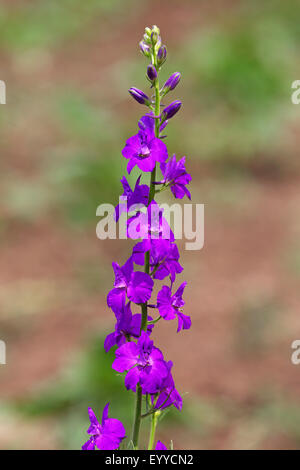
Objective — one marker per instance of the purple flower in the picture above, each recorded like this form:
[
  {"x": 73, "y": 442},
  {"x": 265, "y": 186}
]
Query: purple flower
[
  {"x": 168, "y": 394},
  {"x": 144, "y": 150},
  {"x": 143, "y": 363},
  {"x": 137, "y": 285},
  {"x": 172, "y": 82},
  {"x": 151, "y": 224},
  {"x": 138, "y": 196},
  {"x": 139, "y": 96},
  {"x": 151, "y": 72},
  {"x": 171, "y": 110},
  {"x": 164, "y": 256},
  {"x": 127, "y": 326},
  {"x": 160, "y": 446},
  {"x": 176, "y": 176},
  {"x": 106, "y": 436},
  {"x": 169, "y": 306}
]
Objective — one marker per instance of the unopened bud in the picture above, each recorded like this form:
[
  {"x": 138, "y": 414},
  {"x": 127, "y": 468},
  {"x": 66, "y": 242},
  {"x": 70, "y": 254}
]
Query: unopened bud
[
  {"x": 151, "y": 72},
  {"x": 172, "y": 82},
  {"x": 144, "y": 49},
  {"x": 139, "y": 96},
  {"x": 161, "y": 55},
  {"x": 171, "y": 110}
]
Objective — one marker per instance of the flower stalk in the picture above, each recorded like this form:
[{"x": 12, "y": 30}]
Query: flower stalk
[{"x": 148, "y": 374}]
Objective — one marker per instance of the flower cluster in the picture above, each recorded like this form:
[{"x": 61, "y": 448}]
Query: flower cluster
[{"x": 155, "y": 257}]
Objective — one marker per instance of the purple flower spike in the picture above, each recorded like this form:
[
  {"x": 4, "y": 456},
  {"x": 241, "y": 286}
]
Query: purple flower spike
[
  {"x": 169, "y": 306},
  {"x": 144, "y": 150},
  {"x": 160, "y": 446},
  {"x": 139, "y": 96},
  {"x": 176, "y": 176},
  {"x": 106, "y": 436},
  {"x": 171, "y": 110},
  {"x": 172, "y": 82},
  {"x": 151, "y": 72},
  {"x": 143, "y": 363}
]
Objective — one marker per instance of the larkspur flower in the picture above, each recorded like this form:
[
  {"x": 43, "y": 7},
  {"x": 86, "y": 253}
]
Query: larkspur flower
[
  {"x": 169, "y": 306},
  {"x": 144, "y": 150},
  {"x": 106, "y": 436},
  {"x": 150, "y": 224},
  {"x": 168, "y": 394},
  {"x": 164, "y": 256},
  {"x": 144, "y": 364},
  {"x": 160, "y": 446},
  {"x": 131, "y": 197},
  {"x": 127, "y": 326},
  {"x": 137, "y": 285},
  {"x": 176, "y": 176}
]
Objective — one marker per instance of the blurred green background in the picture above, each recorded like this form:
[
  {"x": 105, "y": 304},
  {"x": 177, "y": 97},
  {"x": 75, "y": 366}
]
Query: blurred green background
[{"x": 68, "y": 65}]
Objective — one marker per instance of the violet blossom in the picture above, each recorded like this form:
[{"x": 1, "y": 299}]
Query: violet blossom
[
  {"x": 169, "y": 306},
  {"x": 144, "y": 150},
  {"x": 106, "y": 436},
  {"x": 168, "y": 394},
  {"x": 150, "y": 224},
  {"x": 136, "y": 285},
  {"x": 160, "y": 446},
  {"x": 164, "y": 256},
  {"x": 127, "y": 326},
  {"x": 176, "y": 176},
  {"x": 131, "y": 197},
  {"x": 144, "y": 364}
]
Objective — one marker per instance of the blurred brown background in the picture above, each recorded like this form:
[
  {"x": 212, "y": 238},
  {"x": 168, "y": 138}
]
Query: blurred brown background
[{"x": 68, "y": 65}]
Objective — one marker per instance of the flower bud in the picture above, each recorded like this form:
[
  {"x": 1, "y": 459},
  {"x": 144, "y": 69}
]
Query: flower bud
[
  {"x": 156, "y": 29},
  {"x": 155, "y": 39},
  {"x": 172, "y": 82},
  {"x": 170, "y": 110},
  {"x": 144, "y": 49},
  {"x": 151, "y": 72},
  {"x": 161, "y": 55},
  {"x": 139, "y": 96},
  {"x": 147, "y": 39}
]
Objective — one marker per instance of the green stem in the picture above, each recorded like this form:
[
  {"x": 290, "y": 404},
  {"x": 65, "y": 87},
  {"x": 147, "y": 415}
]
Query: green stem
[
  {"x": 152, "y": 431},
  {"x": 137, "y": 418},
  {"x": 144, "y": 308}
]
